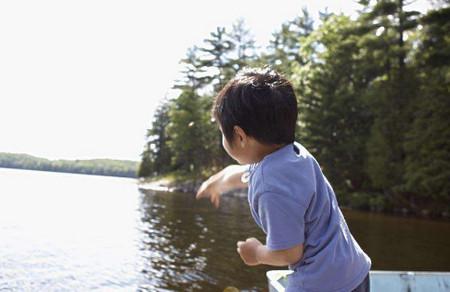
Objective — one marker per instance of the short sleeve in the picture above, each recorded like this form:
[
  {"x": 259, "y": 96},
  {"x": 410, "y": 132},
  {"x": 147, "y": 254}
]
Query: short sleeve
[{"x": 282, "y": 219}]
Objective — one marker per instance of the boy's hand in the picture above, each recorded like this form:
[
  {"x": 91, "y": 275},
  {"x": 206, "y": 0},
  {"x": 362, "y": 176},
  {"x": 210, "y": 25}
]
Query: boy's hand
[
  {"x": 225, "y": 180},
  {"x": 209, "y": 189},
  {"x": 248, "y": 251},
  {"x": 253, "y": 253}
]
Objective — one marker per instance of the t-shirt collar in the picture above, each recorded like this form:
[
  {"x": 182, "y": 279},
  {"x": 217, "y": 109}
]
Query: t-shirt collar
[{"x": 280, "y": 151}]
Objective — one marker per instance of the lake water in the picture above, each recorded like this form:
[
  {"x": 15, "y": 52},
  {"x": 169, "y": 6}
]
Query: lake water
[{"x": 71, "y": 232}]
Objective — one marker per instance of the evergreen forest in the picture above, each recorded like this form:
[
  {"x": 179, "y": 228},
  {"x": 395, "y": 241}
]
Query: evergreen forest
[{"x": 373, "y": 97}]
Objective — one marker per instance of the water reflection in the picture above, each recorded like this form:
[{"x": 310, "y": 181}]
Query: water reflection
[
  {"x": 401, "y": 243},
  {"x": 190, "y": 246},
  {"x": 65, "y": 232}
]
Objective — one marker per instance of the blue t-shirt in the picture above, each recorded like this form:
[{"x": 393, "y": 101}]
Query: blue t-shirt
[{"x": 293, "y": 203}]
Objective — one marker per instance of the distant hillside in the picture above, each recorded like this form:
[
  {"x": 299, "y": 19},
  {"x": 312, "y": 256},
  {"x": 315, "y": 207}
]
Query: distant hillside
[{"x": 110, "y": 167}]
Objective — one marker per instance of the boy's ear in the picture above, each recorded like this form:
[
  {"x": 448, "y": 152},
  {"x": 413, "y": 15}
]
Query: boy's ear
[{"x": 240, "y": 135}]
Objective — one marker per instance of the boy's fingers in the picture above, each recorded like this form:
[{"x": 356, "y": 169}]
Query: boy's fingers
[
  {"x": 239, "y": 243},
  {"x": 201, "y": 193},
  {"x": 198, "y": 195},
  {"x": 214, "y": 198},
  {"x": 216, "y": 201}
]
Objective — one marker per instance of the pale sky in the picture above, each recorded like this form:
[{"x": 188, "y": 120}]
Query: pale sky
[{"x": 81, "y": 79}]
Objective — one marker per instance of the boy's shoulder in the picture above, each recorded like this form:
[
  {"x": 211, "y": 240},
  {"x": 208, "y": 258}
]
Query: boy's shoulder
[
  {"x": 288, "y": 171},
  {"x": 292, "y": 159}
]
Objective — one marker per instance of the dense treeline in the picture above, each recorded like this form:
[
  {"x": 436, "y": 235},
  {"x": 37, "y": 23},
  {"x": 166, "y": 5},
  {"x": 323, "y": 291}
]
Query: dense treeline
[
  {"x": 373, "y": 94},
  {"x": 107, "y": 167}
]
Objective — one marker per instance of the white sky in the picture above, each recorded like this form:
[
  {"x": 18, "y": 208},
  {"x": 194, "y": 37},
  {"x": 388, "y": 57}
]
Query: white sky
[{"x": 81, "y": 79}]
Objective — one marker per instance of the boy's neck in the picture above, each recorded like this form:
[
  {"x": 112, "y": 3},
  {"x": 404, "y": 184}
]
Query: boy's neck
[{"x": 262, "y": 150}]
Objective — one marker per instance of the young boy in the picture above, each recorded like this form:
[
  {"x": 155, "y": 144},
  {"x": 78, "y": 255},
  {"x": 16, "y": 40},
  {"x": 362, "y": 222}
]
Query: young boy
[{"x": 289, "y": 197}]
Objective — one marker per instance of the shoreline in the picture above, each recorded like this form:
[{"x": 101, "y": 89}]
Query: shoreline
[
  {"x": 167, "y": 185},
  {"x": 191, "y": 186}
]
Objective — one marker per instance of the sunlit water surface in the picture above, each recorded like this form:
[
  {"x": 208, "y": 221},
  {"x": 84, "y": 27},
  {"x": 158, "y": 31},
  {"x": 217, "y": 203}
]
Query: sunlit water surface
[{"x": 69, "y": 232}]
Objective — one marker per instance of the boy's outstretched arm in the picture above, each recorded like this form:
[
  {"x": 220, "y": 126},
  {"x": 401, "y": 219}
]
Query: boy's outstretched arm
[
  {"x": 225, "y": 180},
  {"x": 253, "y": 253}
]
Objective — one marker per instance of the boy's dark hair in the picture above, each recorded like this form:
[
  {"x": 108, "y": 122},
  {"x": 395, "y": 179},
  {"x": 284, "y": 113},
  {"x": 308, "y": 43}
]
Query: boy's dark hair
[{"x": 262, "y": 103}]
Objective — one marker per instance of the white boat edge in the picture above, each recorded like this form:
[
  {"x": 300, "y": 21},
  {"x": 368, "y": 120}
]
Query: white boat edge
[{"x": 382, "y": 281}]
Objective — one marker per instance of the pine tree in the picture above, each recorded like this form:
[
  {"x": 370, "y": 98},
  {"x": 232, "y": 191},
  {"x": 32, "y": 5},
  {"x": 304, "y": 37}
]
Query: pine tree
[
  {"x": 283, "y": 50},
  {"x": 427, "y": 144},
  {"x": 194, "y": 75},
  {"x": 244, "y": 50},
  {"x": 186, "y": 137},
  {"x": 334, "y": 119},
  {"x": 214, "y": 58},
  {"x": 156, "y": 157},
  {"x": 384, "y": 26}
]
